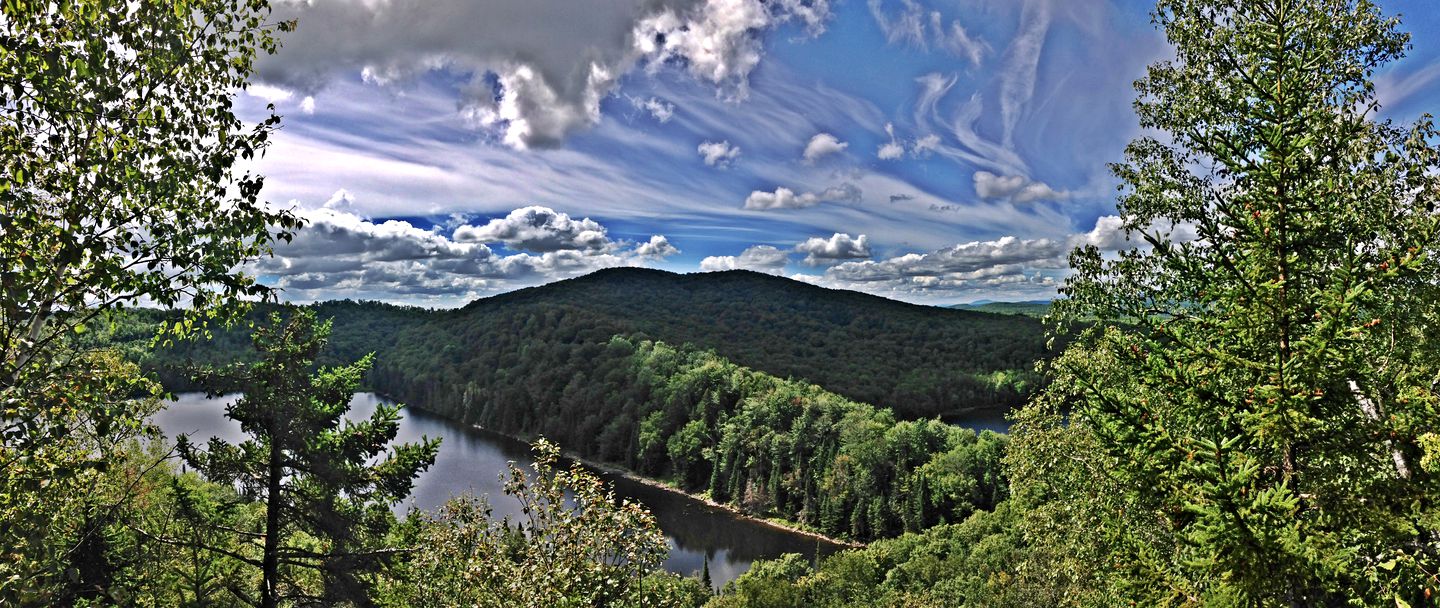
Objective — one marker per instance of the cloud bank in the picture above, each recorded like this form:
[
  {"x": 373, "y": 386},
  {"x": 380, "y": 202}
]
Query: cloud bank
[
  {"x": 534, "y": 72},
  {"x": 340, "y": 254}
]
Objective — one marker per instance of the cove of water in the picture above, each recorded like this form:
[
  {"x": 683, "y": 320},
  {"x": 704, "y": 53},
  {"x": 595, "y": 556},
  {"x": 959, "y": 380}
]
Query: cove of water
[{"x": 472, "y": 460}]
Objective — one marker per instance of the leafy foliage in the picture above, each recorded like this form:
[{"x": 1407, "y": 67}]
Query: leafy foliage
[
  {"x": 1255, "y": 400},
  {"x": 117, "y": 148},
  {"x": 972, "y": 563},
  {"x": 578, "y": 545}
]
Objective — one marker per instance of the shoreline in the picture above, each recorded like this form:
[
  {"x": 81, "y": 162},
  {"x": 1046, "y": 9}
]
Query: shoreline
[{"x": 629, "y": 475}]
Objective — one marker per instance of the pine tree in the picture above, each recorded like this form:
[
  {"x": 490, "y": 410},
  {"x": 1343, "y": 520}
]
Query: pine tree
[
  {"x": 1258, "y": 376},
  {"x": 326, "y": 488}
]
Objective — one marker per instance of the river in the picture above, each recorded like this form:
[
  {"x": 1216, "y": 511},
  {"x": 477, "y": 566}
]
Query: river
[{"x": 472, "y": 460}]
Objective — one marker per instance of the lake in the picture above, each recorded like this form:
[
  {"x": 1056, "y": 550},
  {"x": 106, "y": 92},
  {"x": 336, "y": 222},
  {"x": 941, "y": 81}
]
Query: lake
[{"x": 472, "y": 460}]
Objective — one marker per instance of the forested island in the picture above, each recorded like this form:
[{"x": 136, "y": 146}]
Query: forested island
[{"x": 1239, "y": 409}]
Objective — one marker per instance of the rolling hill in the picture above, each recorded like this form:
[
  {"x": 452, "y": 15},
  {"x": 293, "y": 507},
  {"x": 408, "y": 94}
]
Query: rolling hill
[{"x": 920, "y": 361}]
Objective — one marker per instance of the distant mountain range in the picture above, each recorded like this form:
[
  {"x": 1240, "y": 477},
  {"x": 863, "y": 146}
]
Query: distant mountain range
[{"x": 1030, "y": 308}]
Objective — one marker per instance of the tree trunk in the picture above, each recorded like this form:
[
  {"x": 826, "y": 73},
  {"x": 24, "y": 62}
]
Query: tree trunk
[{"x": 270, "y": 566}]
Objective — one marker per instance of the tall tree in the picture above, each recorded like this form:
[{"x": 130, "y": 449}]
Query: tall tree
[
  {"x": 1261, "y": 380},
  {"x": 327, "y": 489},
  {"x": 118, "y": 147}
]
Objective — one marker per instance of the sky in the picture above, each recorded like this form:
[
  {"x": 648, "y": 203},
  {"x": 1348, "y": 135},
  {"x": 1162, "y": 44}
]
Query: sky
[{"x": 932, "y": 151}]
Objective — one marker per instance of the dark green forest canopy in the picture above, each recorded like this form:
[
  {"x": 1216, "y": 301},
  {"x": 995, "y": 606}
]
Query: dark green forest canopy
[{"x": 920, "y": 361}]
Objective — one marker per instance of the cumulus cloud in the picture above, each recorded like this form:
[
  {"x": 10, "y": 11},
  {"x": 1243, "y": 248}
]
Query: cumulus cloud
[
  {"x": 718, "y": 153},
  {"x": 1007, "y": 266},
  {"x": 340, "y": 254},
  {"x": 539, "y": 229},
  {"x": 342, "y": 200},
  {"x": 662, "y": 111},
  {"x": 762, "y": 258},
  {"x": 657, "y": 247},
  {"x": 1110, "y": 234},
  {"x": 785, "y": 198},
  {"x": 538, "y": 69},
  {"x": 715, "y": 39},
  {"x": 840, "y": 246},
  {"x": 893, "y": 149},
  {"x": 822, "y": 145},
  {"x": 1017, "y": 189},
  {"x": 966, "y": 260}
]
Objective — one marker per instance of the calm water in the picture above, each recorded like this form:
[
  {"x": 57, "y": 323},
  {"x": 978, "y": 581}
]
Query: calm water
[{"x": 471, "y": 460}]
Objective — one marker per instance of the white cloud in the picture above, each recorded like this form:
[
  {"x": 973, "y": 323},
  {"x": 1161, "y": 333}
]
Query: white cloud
[
  {"x": 307, "y": 105},
  {"x": 915, "y": 26},
  {"x": 1017, "y": 189},
  {"x": 718, "y": 153},
  {"x": 1005, "y": 267},
  {"x": 715, "y": 39},
  {"x": 538, "y": 229},
  {"x": 341, "y": 200},
  {"x": 822, "y": 145},
  {"x": 657, "y": 247},
  {"x": 840, "y": 246},
  {"x": 538, "y": 69},
  {"x": 925, "y": 145},
  {"x": 893, "y": 149},
  {"x": 339, "y": 254},
  {"x": 269, "y": 93},
  {"x": 890, "y": 151},
  {"x": 1110, "y": 234},
  {"x": 1022, "y": 61},
  {"x": 662, "y": 111},
  {"x": 965, "y": 260},
  {"x": 785, "y": 198},
  {"x": 762, "y": 258}
]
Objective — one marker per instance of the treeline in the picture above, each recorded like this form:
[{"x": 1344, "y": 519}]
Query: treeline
[{"x": 769, "y": 446}]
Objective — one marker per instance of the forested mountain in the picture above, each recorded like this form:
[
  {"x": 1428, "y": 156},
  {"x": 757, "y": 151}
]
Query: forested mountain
[{"x": 921, "y": 361}]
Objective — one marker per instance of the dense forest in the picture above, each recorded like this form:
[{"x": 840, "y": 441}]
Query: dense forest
[
  {"x": 919, "y": 361},
  {"x": 769, "y": 446}
]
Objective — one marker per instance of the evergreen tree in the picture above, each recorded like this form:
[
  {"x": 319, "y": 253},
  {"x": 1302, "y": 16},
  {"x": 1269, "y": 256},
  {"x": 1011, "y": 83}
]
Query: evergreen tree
[
  {"x": 326, "y": 488},
  {"x": 1250, "y": 413}
]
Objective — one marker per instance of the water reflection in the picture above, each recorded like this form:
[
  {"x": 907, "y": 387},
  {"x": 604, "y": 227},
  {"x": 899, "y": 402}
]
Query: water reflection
[{"x": 472, "y": 460}]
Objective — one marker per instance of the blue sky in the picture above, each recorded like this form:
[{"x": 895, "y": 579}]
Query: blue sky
[{"x": 934, "y": 152}]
